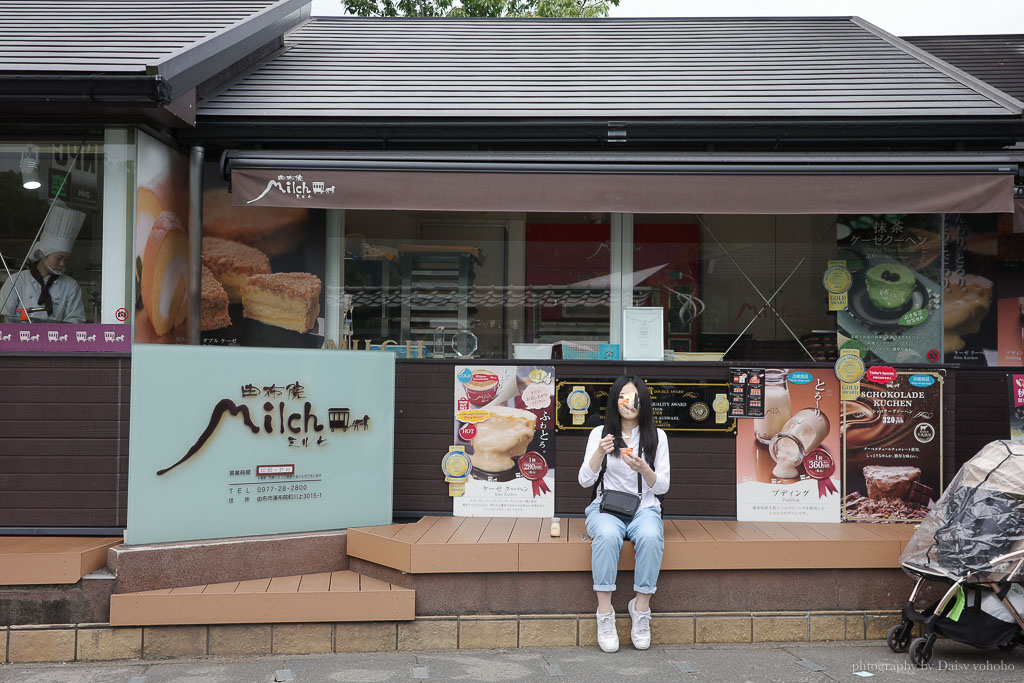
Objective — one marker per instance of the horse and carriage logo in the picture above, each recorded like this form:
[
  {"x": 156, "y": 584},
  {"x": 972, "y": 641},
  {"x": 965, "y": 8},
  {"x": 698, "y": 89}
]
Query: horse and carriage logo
[{"x": 340, "y": 419}]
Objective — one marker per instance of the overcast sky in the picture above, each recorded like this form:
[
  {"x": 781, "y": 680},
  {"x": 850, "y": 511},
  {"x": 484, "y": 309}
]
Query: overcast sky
[{"x": 900, "y": 17}]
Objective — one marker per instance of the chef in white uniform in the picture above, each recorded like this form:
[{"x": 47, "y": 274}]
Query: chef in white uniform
[{"x": 43, "y": 283}]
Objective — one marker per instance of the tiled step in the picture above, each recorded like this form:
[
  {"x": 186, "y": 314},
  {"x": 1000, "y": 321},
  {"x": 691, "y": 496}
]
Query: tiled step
[
  {"x": 37, "y": 560},
  {"x": 327, "y": 597}
]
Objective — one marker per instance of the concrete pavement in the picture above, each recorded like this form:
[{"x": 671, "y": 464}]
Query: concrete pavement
[{"x": 784, "y": 662}]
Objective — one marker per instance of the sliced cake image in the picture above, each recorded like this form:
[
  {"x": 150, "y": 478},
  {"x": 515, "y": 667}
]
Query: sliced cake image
[
  {"x": 165, "y": 273},
  {"x": 232, "y": 263},
  {"x": 214, "y": 309},
  {"x": 287, "y": 300}
]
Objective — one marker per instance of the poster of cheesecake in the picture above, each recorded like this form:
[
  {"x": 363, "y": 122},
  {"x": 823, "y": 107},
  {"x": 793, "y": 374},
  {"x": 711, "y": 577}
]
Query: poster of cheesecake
[
  {"x": 892, "y": 449},
  {"x": 970, "y": 284},
  {"x": 262, "y": 276},
  {"x": 787, "y": 462},
  {"x": 161, "y": 244},
  {"x": 894, "y": 310},
  {"x": 505, "y": 421}
]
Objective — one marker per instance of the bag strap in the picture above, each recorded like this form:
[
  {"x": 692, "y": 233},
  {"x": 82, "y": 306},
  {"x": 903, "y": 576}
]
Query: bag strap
[{"x": 600, "y": 481}]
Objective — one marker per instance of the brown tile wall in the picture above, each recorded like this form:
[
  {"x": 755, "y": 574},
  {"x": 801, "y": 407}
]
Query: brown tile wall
[
  {"x": 64, "y": 441},
  {"x": 64, "y": 438}
]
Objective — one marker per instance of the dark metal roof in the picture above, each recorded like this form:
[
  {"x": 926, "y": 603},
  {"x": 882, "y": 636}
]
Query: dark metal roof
[
  {"x": 995, "y": 59},
  {"x": 762, "y": 68},
  {"x": 116, "y": 51}
]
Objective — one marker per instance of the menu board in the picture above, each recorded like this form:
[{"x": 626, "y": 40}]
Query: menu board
[
  {"x": 892, "y": 449},
  {"x": 677, "y": 406},
  {"x": 746, "y": 392}
]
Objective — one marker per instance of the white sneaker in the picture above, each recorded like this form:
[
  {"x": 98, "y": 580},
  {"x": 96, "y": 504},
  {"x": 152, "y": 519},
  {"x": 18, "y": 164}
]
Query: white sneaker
[
  {"x": 607, "y": 637},
  {"x": 640, "y": 633}
]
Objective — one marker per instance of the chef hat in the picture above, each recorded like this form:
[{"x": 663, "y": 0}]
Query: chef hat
[{"x": 60, "y": 229}]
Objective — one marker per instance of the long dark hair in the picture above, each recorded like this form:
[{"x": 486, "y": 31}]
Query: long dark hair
[{"x": 645, "y": 419}]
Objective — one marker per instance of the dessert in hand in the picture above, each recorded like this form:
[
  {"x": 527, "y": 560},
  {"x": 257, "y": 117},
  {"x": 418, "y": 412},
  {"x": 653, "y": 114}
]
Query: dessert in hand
[
  {"x": 890, "y": 286},
  {"x": 274, "y": 231},
  {"x": 214, "y": 310},
  {"x": 231, "y": 263},
  {"x": 964, "y": 307},
  {"x": 165, "y": 273},
  {"x": 504, "y": 435},
  {"x": 288, "y": 300}
]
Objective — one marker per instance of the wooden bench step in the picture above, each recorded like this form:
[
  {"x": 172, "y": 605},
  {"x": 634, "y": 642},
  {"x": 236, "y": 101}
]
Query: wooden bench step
[
  {"x": 482, "y": 544},
  {"x": 36, "y": 560},
  {"x": 331, "y": 596}
]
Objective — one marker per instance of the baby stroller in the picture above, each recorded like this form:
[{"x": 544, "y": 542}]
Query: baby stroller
[{"x": 972, "y": 539}]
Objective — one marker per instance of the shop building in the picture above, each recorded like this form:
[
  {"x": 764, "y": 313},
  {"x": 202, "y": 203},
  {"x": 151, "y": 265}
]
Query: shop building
[{"x": 490, "y": 194}]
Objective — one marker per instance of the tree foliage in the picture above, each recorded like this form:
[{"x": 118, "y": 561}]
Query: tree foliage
[{"x": 479, "y": 8}]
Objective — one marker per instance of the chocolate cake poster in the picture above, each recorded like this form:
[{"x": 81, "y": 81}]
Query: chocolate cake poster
[
  {"x": 787, "y": 462},
  {"x": 505, "y": 421},
  {"x": 892, "y": 445},
  {"x": 894, "y": 305}
]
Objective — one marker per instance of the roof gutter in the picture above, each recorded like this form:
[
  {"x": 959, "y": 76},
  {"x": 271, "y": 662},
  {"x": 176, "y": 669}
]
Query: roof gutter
[{"x": 36, "y": 89}]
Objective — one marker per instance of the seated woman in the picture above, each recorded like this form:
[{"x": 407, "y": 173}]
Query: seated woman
[
  {"x": 43, "y": 284},
  {"x": 640, "y": 461}
]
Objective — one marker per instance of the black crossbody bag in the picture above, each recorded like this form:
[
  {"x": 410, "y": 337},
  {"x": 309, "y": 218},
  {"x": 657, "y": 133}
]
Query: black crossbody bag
[{"x": 622, "y": 504}]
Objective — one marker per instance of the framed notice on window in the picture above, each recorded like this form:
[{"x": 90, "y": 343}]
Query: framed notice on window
[{"x": 643, "y": 333}]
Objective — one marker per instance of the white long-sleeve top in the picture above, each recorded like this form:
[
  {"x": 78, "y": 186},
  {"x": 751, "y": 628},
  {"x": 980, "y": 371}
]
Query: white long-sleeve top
[
  {"x": 620, "y": 477},
  {"x": 65, "y": 292}
]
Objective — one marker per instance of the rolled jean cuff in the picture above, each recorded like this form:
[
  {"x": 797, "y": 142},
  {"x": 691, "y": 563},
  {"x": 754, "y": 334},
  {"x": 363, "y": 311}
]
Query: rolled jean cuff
[
  {"x": 604, "y": 587},
  {"x": 648, "y": 590}
]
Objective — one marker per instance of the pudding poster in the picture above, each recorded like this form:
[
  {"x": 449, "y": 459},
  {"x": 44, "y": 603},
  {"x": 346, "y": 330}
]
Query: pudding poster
[
  {"x": 894, "y": 305},
  {"x": 787, "y": 462},
  {"x": 505, "y": 422},
  {"x": 892, "y": 450}
]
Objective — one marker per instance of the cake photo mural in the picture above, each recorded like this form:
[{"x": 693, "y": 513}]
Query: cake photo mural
[
  {"x": 266, "y": 267},
  {"x": 161, "y": 244},
  {"x": 894, "y": 310}
]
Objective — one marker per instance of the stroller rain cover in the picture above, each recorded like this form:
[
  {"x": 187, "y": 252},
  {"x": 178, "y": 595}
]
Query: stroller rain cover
[{"x": 979, "y": 516}]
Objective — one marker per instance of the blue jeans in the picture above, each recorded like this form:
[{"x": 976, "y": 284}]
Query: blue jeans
[{"x": 607, "y": 533}]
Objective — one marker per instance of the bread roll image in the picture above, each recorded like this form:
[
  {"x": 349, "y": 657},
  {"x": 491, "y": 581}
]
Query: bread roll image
[{"x": 165, "y": 274}]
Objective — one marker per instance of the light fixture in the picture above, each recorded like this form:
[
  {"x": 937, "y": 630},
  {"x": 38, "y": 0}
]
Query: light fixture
[{"x": 30, "y": 168}]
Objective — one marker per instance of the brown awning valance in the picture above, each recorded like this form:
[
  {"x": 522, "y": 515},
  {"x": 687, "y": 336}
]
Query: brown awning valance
[{"x": 655, "y": 192}]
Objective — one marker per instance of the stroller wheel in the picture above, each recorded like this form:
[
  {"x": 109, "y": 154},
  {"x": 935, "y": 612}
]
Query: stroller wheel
[
  {"x": 899, "y": 637},
  {"x": 921, "y": 652}
]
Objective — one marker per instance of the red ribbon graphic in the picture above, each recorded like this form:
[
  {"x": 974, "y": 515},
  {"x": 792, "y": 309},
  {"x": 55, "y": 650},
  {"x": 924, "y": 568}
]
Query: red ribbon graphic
[{"x": 533, "y": 467}]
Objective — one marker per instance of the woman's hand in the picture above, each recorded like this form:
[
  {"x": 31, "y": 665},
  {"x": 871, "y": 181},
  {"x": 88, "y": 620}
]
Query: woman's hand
[
  {"x": 604, "y": 447},
  {"x": 637, "y": 464}
]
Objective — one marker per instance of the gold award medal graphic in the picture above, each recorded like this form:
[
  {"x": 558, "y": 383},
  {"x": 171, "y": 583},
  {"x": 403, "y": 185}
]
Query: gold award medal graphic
[
  {"x": 721, "y": 407},
  {"x": 849, "y": 369},
  {"x": 579, "y": 404},
  {"x": 699, "y": 411},
  {"x": 455, "y": 465},
  {"x": 837, "y": 281}
]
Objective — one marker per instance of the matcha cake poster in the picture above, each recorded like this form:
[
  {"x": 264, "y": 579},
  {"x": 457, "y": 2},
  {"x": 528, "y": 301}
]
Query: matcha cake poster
[
  {"x": 505, "y": 423},
  {"x": 894, "y": 304}
]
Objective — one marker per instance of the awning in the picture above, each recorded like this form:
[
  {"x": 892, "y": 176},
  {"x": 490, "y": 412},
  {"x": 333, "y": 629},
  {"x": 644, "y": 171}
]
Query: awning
[{"x": 738, "y": 184}]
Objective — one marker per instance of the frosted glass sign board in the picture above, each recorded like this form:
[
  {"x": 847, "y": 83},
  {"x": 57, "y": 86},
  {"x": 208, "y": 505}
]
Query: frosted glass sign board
[
  {"x": 643, "y": 332},
  {"x": 242, "y": 441}
]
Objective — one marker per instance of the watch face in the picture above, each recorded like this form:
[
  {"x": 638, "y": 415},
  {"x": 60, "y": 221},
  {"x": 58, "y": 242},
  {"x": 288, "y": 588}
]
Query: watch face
[
  {"x": 464, "y": 343},
  {"x": 579, "y": 400}
]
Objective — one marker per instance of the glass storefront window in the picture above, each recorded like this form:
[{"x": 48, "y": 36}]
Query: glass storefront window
[{"x": 51, "y": 226}]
